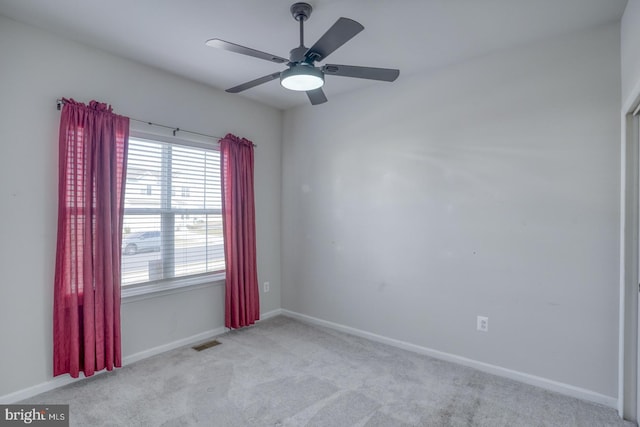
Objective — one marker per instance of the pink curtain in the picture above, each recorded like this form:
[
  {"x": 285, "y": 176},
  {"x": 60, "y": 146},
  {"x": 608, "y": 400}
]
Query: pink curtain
[
  {"x": 242, "y": 300},
  {"x": 92, "y": 165}
]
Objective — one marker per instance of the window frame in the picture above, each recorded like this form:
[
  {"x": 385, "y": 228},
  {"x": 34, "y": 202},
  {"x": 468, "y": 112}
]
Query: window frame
[{"x": 175, "y": 284}]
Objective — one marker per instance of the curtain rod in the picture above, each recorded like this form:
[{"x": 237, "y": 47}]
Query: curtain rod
[{"x": 59, "y": 103}]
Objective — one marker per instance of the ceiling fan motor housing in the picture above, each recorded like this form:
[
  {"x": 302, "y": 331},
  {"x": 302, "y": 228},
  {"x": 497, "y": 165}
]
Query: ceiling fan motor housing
[{"x": 297, "y": 54}]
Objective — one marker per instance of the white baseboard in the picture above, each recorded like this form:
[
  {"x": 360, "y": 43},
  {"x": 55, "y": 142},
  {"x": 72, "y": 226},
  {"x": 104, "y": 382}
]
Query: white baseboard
[
  {"x": 558, "y": 387},
  {"x": 272, "y": 313},
  {"x": 64, "y": 380},
  {"x": 28, "y": 392}
]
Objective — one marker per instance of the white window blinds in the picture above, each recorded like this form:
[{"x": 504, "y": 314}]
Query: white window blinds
[{"x": 172, "y": 219}]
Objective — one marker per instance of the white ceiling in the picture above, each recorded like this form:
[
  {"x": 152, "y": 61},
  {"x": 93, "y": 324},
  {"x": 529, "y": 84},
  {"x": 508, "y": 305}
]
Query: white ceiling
[{"x": 412, "y": 35}]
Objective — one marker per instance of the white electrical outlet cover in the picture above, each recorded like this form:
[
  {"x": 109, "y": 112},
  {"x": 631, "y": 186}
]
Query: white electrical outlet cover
[{"x": 483, "y": 324}]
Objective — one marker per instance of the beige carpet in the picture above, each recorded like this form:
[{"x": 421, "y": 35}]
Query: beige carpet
[{"x": 282, "y": 372}]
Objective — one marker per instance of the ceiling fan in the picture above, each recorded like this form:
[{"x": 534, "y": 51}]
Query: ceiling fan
[{"x": 302, "y": 74}]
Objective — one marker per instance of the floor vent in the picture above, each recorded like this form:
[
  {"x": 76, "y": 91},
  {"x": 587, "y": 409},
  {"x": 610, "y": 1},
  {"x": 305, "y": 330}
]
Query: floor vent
[{"x": 206, "y": 345}]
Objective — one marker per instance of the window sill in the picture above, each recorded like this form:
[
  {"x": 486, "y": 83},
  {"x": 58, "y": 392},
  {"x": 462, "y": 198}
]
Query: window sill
[{"x": 168, "y": 287}]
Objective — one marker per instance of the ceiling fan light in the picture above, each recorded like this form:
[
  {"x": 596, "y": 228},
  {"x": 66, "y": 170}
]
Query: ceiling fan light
[{"x": 302, "y": 78}]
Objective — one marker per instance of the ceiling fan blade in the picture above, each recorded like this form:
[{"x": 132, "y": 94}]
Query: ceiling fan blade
[
  {"x": 341, "y": 32},
  {"x": 232, "y": 47},
  {"x": 384, "y": 74},
  {"x": 316, "y": 96},
  {"x": 253, "y": 83}
]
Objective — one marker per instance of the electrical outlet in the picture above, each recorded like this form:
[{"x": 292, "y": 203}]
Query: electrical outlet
[
  {"x": 483, "y": 324},
  {"x": 266, "y": 286}
]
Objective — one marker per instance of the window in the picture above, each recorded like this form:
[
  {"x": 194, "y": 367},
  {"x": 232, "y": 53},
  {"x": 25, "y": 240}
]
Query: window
[{"x": 172, "y": 228}]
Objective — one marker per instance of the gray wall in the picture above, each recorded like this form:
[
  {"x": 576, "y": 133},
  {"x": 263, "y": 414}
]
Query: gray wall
[
  {"x": 35, "y": 69},
  {"x": 486, "y": 188}
]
